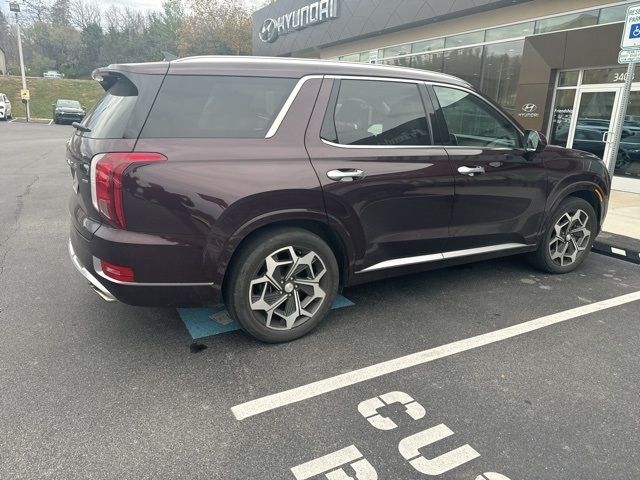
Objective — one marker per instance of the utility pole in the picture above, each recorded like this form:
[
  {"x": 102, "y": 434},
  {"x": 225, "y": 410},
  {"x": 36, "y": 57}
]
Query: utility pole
[{"x": 15, "y": 7}]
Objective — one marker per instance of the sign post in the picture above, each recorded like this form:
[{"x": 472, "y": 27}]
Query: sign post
[{"x": 629, "y": 54}]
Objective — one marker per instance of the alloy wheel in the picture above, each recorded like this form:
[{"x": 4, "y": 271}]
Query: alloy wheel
[
  {"x": 288, "y": 288},
  {"x": 570, "y": 237}
]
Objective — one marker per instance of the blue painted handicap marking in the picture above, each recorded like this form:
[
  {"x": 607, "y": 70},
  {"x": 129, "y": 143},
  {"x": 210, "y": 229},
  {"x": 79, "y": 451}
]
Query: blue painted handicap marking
[{"x": 206, "y": 322}]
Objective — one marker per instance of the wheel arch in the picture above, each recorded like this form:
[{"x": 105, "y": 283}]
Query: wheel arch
[
  {"x": 592, "y": 191},
  {"x": 318, "y": 225}
]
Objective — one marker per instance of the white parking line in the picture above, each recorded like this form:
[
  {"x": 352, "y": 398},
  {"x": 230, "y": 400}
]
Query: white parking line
[
  {"x": 50, "y": 122},
  {"x": 305, "y": 392}
]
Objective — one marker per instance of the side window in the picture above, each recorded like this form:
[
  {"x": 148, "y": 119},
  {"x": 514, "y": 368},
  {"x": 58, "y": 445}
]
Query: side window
[
  {"x": 472, "y": 122},
  {"x": 191, "y": 106},
  {"x": 371, "y": 112}
]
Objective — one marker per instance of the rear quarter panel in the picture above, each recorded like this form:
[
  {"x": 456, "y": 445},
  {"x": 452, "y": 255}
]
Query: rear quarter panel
[{"x": 218, "y": 191}]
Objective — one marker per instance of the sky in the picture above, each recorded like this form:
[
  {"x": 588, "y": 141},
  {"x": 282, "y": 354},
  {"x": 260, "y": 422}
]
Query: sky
[{"x": 143, "y": 4}]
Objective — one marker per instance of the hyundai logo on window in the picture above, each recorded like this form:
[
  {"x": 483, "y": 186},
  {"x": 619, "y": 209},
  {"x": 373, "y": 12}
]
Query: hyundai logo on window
[
  {"x": 312, "y": 14},
  {"x": 529, "y": 110}
]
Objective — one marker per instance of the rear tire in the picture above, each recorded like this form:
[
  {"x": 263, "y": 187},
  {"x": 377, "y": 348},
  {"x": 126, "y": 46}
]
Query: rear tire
[
  {"x": 270, "y": 299},
  {"x": 568, "y": 237}
]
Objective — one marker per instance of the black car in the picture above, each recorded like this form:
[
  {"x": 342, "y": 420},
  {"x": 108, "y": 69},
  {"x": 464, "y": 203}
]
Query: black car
[{"x": 67, "y": 111}]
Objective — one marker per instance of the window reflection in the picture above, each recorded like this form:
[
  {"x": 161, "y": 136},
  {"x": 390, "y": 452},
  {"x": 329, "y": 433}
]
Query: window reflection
[
  {"x": 561, "y": 117},
  {"x": 565, "y": 22},
  {"x": 465, "y": 63},
  {"x": 428, "y": 61},
  {"x": 501, "y": 72}
]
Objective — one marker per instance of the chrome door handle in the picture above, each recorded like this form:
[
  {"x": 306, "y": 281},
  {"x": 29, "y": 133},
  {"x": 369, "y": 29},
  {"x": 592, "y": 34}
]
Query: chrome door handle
[
  {"x": 471, "y": 171},
  {"x": 345, "y": 174},
  {"x": 605, "y": 137}
]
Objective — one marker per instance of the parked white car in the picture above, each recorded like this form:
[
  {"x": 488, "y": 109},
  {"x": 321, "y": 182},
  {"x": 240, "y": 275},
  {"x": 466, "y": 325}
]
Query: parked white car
[
  {"x": 52, "y": 74},
  {"x": 5, "y": 107}
]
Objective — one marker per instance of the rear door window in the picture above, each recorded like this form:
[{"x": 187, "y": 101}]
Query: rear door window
[
  {"x": 373, "y": 112},
  {"x": 198, "y": 106}
]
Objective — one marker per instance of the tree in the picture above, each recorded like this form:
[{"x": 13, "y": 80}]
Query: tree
[{"x": 215, "y": 27}]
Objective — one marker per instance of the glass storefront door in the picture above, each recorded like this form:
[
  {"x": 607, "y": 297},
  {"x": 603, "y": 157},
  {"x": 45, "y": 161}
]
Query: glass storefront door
[
  {"x": 591, "y": 128},
  {"x": 586, "y": 104}
]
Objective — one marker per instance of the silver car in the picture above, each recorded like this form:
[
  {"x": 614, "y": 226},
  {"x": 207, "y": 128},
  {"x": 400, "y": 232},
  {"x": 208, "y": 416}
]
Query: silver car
[{"x": 5, "y": 107}]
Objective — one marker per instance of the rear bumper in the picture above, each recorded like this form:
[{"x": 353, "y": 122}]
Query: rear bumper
[
  {"x": 85, "y": 254},
  {"x": 98, "y": 287}
]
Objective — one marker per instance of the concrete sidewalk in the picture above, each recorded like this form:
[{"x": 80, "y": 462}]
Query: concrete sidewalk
[{"x": 623, "y": 217}]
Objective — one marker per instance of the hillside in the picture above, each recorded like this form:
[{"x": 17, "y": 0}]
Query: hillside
[{"x": 45, "y": 91}]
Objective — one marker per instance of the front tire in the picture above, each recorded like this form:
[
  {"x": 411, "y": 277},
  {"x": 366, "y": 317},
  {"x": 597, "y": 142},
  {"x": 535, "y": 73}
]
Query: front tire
[
  {"x": 282, "y": 284},
  {"x": 568, "y": 238}
]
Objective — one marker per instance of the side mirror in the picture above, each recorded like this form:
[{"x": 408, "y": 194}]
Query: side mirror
[{"x": 534, "y": 142}]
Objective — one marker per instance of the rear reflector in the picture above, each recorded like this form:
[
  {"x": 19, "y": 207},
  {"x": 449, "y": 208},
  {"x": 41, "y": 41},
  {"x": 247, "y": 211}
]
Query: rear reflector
[
  {"x": 117, "y": 272},
  {"x": 107, "y": 170}
]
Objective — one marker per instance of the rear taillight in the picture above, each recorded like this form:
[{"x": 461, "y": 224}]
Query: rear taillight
[{"x": 107, "y": 170}]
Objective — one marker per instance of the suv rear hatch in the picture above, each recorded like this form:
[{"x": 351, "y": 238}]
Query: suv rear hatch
[{"x": 113, "y": 125}]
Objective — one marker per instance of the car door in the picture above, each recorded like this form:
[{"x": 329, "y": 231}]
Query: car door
[
  {"x": 500, "y": 190},
  {"x": 386, "y": 186}
]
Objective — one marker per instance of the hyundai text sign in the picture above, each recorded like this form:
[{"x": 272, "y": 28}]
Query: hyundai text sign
[
  {"x": 631, "y": 35},
  {"x": 312, "y": 14}
]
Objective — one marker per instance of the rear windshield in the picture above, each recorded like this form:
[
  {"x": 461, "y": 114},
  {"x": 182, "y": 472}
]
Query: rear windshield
[
  {"x": 68, "y": 103},
  {"x": 191, "y": 106},
  {"x": 124, "y": 107}
]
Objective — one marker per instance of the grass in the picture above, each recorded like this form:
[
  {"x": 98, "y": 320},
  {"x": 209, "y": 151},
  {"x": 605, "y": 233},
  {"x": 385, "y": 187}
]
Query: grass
[{"x": 45, "y": 91}]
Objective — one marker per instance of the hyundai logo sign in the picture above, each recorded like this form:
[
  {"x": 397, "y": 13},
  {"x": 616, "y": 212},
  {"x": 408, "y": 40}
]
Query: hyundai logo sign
[
  {"x": 312, "y": 14},
  {"x": 529, "y": 107}
]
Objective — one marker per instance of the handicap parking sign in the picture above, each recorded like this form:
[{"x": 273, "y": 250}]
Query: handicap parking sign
[{"x": 634, "y": 31}]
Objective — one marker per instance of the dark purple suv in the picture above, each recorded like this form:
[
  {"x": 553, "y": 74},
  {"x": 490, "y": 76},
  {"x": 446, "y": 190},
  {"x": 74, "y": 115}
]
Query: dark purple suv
[{"x": 270, "y": 184}]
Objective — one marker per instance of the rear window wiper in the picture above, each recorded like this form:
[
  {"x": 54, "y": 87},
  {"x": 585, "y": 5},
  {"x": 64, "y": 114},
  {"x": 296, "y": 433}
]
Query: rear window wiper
[{"x": 82, "y": 128}]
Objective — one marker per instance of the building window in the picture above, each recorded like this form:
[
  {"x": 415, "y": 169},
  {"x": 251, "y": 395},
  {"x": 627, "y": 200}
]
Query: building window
[
  {"x": 465, "y": 63},
  {"x": 501, "y": 72},
  {"x": 561, "y": 117},
  {"x": 396, "y": 51},
  {"x": 613, "y": 14},
  {"x": 427, "y": 46},
  {"x": 510, "y": 31},
  {"x": 428, "y": 61},
  {"x": 398, "y": 62},
  {"x": 464, "y": 39},
  {"x": 568, "y": 78},
  {"x": 566, "y": 22}
]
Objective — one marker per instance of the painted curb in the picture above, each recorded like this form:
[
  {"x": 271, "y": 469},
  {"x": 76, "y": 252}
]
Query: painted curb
[{"x": 618, "y": 246}]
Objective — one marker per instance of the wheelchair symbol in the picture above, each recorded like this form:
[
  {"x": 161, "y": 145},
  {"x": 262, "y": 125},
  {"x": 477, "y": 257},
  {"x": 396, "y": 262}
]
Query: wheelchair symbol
[{"x": 634, "y": 31}]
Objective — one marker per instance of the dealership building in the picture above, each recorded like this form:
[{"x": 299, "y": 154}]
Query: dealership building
[{"x": 553, "y": 64}]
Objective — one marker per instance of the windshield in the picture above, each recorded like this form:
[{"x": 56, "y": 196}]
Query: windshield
[{"x": 69, "y": 103}]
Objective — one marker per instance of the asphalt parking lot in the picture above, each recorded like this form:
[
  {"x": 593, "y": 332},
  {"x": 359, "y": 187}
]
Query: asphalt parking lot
[{"x": 91, "y": 390}]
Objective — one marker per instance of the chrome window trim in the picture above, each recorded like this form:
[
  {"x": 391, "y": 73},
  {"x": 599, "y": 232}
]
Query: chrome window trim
[
  {"x": 287, "y": 104},
  {"x": 382, "y": 147},
  {"x": 98, "y": 270},
  {"x": 435, "y": 257}
]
